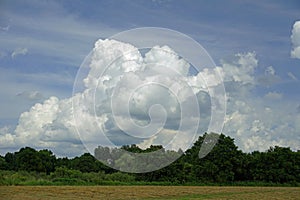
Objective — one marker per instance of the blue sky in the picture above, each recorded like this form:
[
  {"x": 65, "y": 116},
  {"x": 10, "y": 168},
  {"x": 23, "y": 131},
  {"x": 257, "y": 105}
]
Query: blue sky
[{"x": 43, "y": 43}]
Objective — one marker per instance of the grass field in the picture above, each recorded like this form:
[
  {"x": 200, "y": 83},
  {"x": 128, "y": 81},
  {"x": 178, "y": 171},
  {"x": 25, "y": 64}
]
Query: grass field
[{"x": 146, "y": 192}]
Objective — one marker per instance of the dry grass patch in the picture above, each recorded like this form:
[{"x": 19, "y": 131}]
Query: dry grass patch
[{"x": 146, "y": 192}]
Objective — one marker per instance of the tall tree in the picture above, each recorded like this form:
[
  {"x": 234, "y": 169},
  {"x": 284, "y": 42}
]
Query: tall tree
[
  {"x": 10, "y": 159},
  {"x": 87, "y": 163},
  {"x": 28, "y": 159},
  {"x": 3, "y": 163},
  {"x": 222, "y": 164},
  {"x": 48, "y": 160}
]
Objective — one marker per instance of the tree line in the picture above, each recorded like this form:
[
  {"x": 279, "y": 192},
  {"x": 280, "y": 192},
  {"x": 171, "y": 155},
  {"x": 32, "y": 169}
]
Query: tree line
[{"x": 225, "y": 164}]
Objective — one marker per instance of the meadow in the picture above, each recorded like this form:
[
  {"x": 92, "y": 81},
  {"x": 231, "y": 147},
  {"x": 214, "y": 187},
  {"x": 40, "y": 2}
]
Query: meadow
[{"x": 146, "y": 192}]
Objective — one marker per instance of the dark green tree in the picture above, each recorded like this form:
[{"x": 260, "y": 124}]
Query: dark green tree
[
  {"x": 63, "y": 162},
  {"x": 278, "y": 165},
  {"x": 222, "y": 164},
  {"x": 3, "y": 163},
  {"x": 10, "y": 159},
  {"x": 132, "y": 148},
  {"x": 87, "y": 163},
  {"x": 48, "y": 160},
  {"x": 28, "y": 159}
]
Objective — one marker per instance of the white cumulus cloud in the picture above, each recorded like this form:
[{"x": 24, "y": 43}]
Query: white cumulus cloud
[
  {"x": 117, "y": 75},
  {"x": 295, "y": 53},
  {"x": 124, "y": 97}
]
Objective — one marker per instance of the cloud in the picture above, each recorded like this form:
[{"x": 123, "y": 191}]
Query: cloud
[
  {"x": 19, "y": 51},
  {"x": 256, "y": 126},
  {"x": 240, "y": 68},
  {"x": 295, "y": 37},
  {"x": 46, "y": 125},
  {"x": 270, "y": 71},
  {"x": 257, "y": 123},
  {"x": 124, "y": 97},
  {"x": 269, "y": 78},
  {"x": 114, "y": 72},
  {"x": 51, "y": 123},
  {"x": 136, "y": 81},
  {"x": 7, "y": 139}
]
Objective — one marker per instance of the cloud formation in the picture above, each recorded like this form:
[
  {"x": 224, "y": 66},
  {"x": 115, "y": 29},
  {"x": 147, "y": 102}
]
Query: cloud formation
[
  {"x": 295, "y": 53},
  {"x": 125, "y": 97},
  {"x": 114, "y": 72},
  {"x": 269, "y": 78},
  {"x": 153, "y": 90}
]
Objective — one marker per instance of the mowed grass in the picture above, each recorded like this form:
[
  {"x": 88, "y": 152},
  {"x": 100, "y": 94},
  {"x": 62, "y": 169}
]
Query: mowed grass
[{"x": 146, "y": 192}]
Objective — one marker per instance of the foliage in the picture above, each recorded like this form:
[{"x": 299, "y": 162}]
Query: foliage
[{"x": 224, "y": 164}]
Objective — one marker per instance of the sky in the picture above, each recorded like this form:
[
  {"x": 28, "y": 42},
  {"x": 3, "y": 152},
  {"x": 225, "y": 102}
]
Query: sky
[{"x": 255, "y": 46}]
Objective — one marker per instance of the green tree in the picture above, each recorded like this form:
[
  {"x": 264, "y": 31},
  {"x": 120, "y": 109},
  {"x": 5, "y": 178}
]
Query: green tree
[
  {"x": 3, "y": 163},
  {"x": 28, "y": 159},
  {"x": 63, "y": 162},
  {"x": 132, "y": 148},
  {"x": 87, "y": 163},
  {"x": 10, "y": 159},
  {"x": 222, "y": 164},
  {"x": 278, "y": 165},
  {"x": 48, "y": 161}
]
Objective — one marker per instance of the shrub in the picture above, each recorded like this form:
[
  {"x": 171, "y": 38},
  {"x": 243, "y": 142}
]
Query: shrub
[
  {"x": 63, "y": 172},
  {"x": 119, "y": 176}
]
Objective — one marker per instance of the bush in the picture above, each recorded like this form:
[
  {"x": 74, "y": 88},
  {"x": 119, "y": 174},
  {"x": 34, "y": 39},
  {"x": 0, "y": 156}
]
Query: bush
[
  {"x": 15, "y": 178},
  {"x": 119, "y": 176},
  {"x": 68, "y": 181},
  {"x": 94, "y": 178},
  {"x": 63, "y": 172}
]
